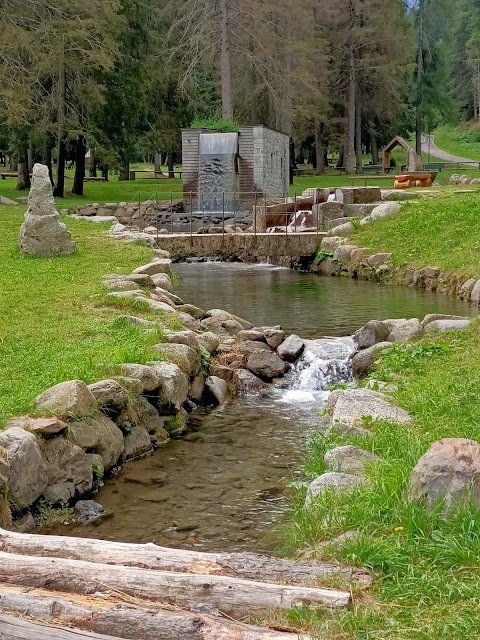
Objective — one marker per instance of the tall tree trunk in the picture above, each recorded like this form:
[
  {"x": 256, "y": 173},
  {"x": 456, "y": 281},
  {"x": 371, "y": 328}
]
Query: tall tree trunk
[
  {"x": 124, "y": 173},
  {"x": 358, "y": 135},
  {"x": 374, "y": 143},
  {"x": 105, "y": 170},
  {"x": 157, "y": 161},
  {"x": 13, "y": 162},
  {"x": 170, "y": 165},
  {"x": 80, "y": 151},
  {"x": 30, "y": 157},
  {"x": 92, "y": 171},
  {"x": 341, "y": 157},
  {"x": 319, "y": 147},
  {"x": 350, "y": 137},
  {"x": 62, "y": 97},
  {"x": 23, "y": 176},
  {"x": 225, "y": 64},
  {"x": 419, "y": 78}
]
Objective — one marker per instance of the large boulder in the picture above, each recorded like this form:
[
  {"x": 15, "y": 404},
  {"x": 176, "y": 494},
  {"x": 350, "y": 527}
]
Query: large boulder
[
  {"x": 137, "y": 443},
  {"x": 332, "y": 481},
  {"x": 109, "y": 393},
  {"x": 70, "y": 398},
  {"x": 163, "y": 281},
  {"x": 373, "y": 332},
  {"x": 252, "y": 346},
  {"x": 365, "y": 359},
  {"x": 190, "y": 338},
  {"x": 447, "y": 325},
  {"x": 350, "y": 406},
  {"x": 192, "y": 310},
  {"x": 247, "y": 383},
  {"x": 186, "y": 358},
  {"x": 449, "y": 473},
  {"x": 173, "y": 386},
  {"x": 404, "y": 330},
  {"x": 291, "y": 348},
  {"x": 274, "y": 337},
  {"x": 161, "y": 265},
  {"x": 216, "y": 389},
  {"x": 42, "y": 233},
  {"x": 68, "y": 469},
  {"x": 349, "y": 459},
  {"x": 147, "y": 415},
  {"x": 385, "y": 210},
  {"x": 110, "y": 441},
  {"x": 255, "y": 335},
  {"x": 147, "y": 375},
  {"x": 225, "y": 315},
  {"x": 39, "y": 426},
  {"x": 4, "y": 469},
  {"x": 431, "y": 317},
  {"x": 221, "y": 327},
  {"x": 27, "y": 473},
  {"x": 266, "y": 365}
]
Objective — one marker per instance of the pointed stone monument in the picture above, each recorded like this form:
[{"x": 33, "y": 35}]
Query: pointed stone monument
[{"x": 42, "y": 233}]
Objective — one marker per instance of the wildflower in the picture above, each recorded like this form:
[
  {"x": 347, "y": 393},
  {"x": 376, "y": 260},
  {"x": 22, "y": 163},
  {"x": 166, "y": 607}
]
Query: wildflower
[{"x": 399, "y": 528}]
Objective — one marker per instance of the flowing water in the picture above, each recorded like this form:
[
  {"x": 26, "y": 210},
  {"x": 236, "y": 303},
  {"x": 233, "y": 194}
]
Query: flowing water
[
  {"x": 226, "y": 485},
  {"x": 216, "y": 176}
]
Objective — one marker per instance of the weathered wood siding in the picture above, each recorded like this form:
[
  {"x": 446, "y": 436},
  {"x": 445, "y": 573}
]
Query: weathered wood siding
[
  {"x": 190, "y": 162},
  {"x": 246, "y": 160}
]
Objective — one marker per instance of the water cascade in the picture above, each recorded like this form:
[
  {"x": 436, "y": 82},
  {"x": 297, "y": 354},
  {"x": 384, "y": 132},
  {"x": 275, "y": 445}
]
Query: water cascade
[{"x": 217, "y": 180}]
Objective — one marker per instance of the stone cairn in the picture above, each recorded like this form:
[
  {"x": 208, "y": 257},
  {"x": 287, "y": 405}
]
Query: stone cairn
[{"x": 42, "y": 233}]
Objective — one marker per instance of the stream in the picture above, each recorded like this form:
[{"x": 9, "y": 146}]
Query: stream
[{"x": 226, "y": 484}]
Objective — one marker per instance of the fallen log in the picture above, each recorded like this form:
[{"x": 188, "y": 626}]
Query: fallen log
[
  {"x": 233, "y": 595},
  {"x": 150, "y": 556},
  {"x": 18, "y": 629},
  {"x": 126, "y": 620}
]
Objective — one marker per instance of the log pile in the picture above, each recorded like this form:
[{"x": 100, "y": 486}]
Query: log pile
[{"x": 146, "y": 592}]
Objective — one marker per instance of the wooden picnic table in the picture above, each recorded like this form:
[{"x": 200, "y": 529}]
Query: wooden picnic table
[
  {"x": 95, "y": 179},
  {"x": 157, "y": 175},
  {"x": 365, "y": 179}
]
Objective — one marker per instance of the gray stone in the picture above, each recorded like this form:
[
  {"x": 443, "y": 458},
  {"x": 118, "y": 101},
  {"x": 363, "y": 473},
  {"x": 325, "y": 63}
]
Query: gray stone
[
  {"x": 349, "y": 459},
  {"x": 4, "y": 469},
  {"x": 70, "y": 398},
  {"x": 274, "y": 337},
  {"x": 251, "y": 335},
  {"x": 216, "y": 389},
  {"x": 342, "y": 230},
  {"x": 224, "y": 315},
  {"x": 475, "y": 295},
  {"x": 110, "y": 441},
  {"x": 27, "y": 475},
  {"x": 359, "y": 254},
  {"x": 42, "y": 233},
  {"x": 39, "y": 426},
  {"x": 137, "y": 443},
  {"x": 155, "y": 305},
  {"x": 132, "y": 385},
  {"x": 4, "y": 200},
  {"x": 163, "y": 281},
  {"x": 186, "y": 358},
  {"x": 405, "y": 330},
  {"x": 84, "y": 433},
  {"x": 385, "y": 210},
  {"x": 449, "y": 473},
  {"x": 120, "y": 284},
  {"x": 223, "y": 372},
  {"x": 148, "y": 376},
  {"x": 378, "y": 259},
  {"x": 344, "y": 253},
  {"x": 221, "y": 327},
  {"x": 247, "y": 383},
  {"x": 399, "y": 195},
  {"x": 349, "y": 406},
  {"x": 252, "y": 346},
  {"x": 358, "y": 195},
  {"x": 161, "y": 265},
  {"x": 68, "y": 469},
  {"x": 173, "y": 386},
  {"x": 447, "y": 325},
  {"x": 175, "y": 299},
  {"x": 331, "y": 243},
  {"x": 147, "y": 415},
  {"x": 467, "y": 286},
  {"x": 363, "y": 360},
  {"x": 189, "y": 338},
  {"x": 157, "y": 295},
  {"x": 208, "y": 341},
  {"x": 332, "y": 481},
  {"x": 142, "y": 280},
  {"x": 109, "y": 392},
  {"x": 439, "y": 316},
  {"x": 432, "y": 272},
  {"x": 25, "y": 524},
  {"x": 372, "y": 333},
  {"x": 88, "y": 511},
  {"x": 195, "y": 391},
  {"x": 177, "y": 425},
  {"x": 193, "y": 311},
  {"x": 291, "y": 348},
  {"x": 266, "y": 364}
]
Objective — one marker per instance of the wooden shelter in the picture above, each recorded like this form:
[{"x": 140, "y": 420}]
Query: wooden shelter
[{"x": 414, "y": 161}]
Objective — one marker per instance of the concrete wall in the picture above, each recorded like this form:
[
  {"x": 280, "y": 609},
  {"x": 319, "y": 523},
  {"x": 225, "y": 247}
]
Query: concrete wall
[
  {"x": 271, "y": 161},
  {"x": 248, "y": 247}
]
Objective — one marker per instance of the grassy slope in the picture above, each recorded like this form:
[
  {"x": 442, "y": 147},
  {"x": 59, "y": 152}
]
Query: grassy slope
[
  {"x": 54, "y": 325},
  {"x": 442, "y": 232},
  {"x": 426, "y": 570},
  {"x": 462, "y": 141}
]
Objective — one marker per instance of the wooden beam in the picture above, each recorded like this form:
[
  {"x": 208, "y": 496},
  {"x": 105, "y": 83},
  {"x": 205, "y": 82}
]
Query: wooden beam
[{"x": 232, "y": 595}]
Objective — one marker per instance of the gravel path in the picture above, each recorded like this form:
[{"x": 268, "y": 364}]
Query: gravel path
[{"x": 428, "y": 146}]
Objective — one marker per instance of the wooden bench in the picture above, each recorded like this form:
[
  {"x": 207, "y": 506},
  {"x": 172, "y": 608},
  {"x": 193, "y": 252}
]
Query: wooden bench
[
  {"x": 157, "y": 175},
  {"x": 95, "y": 179},
  {"x": 365, "y": 179},
  {"x": 8, "y": 174}
]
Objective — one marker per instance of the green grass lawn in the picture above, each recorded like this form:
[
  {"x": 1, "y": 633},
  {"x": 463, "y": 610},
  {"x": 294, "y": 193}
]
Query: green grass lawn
[
  {"x": 462, "y": 141},
  {"x": 442, "y": 232},
  {"x": 54, "y": 324},
  {"x": 426, "y": 570}
]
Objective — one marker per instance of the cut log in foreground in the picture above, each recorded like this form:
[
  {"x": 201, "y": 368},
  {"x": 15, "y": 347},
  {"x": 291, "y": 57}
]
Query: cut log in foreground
[
  {"x": 114, "y": 617},
  {"x": 17, "y": 629},
  {"x": 149, "y": 556},
  {"x": 233, "y": 595}
]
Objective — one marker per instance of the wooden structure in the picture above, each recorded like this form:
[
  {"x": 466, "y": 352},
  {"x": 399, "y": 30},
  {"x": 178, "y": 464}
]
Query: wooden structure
[
  {"x": 414, "y": 161},
  {"x": 146, "y": 592}
]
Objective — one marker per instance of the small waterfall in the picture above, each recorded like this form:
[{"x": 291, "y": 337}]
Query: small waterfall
[
  {"x": 216, "y": 178},
  {"x": 324, "y": 362}
]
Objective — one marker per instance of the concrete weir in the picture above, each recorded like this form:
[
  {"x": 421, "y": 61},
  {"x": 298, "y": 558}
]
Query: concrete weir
[{"x": 248, "y": 246}]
